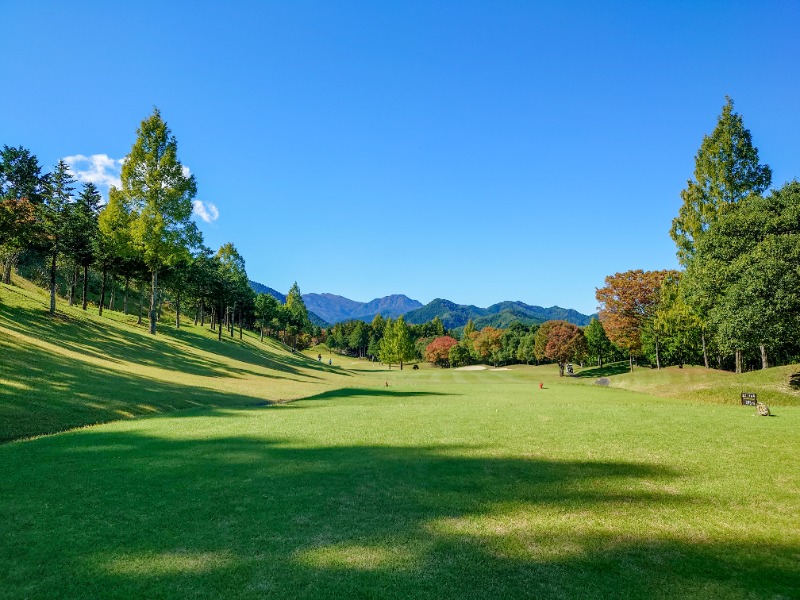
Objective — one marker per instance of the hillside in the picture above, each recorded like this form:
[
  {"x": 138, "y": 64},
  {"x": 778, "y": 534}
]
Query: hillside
[
  {"x": 78, "y": 368},
  {"x": 498, "y": 315}
]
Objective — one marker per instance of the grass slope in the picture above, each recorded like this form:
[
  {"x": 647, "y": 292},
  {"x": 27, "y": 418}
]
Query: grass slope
[
  {"x": 375, "y": 483},
  {"x": 77, "y": 368}
]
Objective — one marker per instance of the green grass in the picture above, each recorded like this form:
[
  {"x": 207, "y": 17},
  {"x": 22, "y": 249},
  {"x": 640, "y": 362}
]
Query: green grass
[
  {"x": 778, "y": 386},
  {"x": 77, "y": 368},
  {"x": 445, "y": 484}
]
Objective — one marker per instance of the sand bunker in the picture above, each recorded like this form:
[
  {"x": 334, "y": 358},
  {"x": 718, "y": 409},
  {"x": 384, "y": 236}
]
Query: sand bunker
[{"x": 471, "y": 368}]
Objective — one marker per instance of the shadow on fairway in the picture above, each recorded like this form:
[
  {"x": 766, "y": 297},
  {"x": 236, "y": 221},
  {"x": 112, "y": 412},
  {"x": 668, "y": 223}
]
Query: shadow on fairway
[
  {"x": 126, "y": 515},
  {"x": 45, "y": 392},
  {"x": 386, "y": 392},
  {"x": 605, "y": 371},
  {"x": 168, "y": 349}
]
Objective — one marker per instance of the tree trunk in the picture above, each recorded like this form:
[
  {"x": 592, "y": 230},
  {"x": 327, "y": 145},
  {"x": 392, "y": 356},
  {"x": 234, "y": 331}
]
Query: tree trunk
[
  {"x": 213, "y": 317},
  {"x": 202, "y": 313},
  {"x": 125, "y": 295},
  {"x": 103, "y": 291},
  {"x": 53, "y": 284},
  {"x": 705, "y": 351},
  {"x": 177, "y": 311},
  {"x": 658, "y": 358},
  {"x": 9, "y": 264},
  {"x": 764, "y": 364},
  {"x": 73, "y": 284},
  {"x": 154, "y": 302},
  {"x": 219, "y": 324},
  {"x": 85, "y": 298},
  {"x": 630, "y": 360},
  {"x": 240, "y": 323},
  {"x": 141, "y": 301},
  {"x": 113, "y": 288},
  {"x": 738, "y": 359}
]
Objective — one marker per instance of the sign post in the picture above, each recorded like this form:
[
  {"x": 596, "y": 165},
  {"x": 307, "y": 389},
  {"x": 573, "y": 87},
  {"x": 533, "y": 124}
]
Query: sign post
[{"x": 749, "y": 399}]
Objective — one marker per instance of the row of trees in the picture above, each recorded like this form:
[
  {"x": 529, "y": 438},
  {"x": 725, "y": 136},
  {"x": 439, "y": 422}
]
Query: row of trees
[
  {"x": 738, "y": 298},
  {"x": 144, "y": 233},
  {"x": 396, "y": 342}
]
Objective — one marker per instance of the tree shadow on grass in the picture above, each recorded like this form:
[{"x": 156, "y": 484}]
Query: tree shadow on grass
[
  {"x": 794, "y": 381},
  {"x": 122, "y": 514},
  {"x": 168, "y": 350},
  {"x": 605, "y": 371},
  {"x": 44, "y": 392},
  {"x": 379, "y": 392}
]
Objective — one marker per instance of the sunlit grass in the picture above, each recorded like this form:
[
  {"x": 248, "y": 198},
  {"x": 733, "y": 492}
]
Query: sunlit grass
[{"x": 442, "y": 484}]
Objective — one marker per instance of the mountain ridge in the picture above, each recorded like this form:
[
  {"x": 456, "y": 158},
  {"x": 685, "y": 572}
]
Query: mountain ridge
[{"x": 327, "y": 309}]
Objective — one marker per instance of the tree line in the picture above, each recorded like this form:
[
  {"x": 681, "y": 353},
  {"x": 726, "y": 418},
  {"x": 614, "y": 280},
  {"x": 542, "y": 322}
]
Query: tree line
[
  {"x": 143, "y": 237},
  {"x": 736, "y": 303},
  {"x": 396, "y": 342}
]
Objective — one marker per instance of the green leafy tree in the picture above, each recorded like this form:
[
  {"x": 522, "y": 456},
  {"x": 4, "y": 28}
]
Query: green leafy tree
[
  {"x": 298, "y": 320},
  {"x": 726, "y": 171},
  {"x": 387, "y": 352},
  {"x": 114, "y": 244},
  {"x": 404, "y": 345},
  {"x": 359, "y": 338},
  {"x": 460, "y": 355},
  {"x": 745, "y": 274},
  {"x": 160, "y": 193},
  {"x": 266, "y": 310},
  {"x": 597, "y": 341},
  {"x": 232, "y": 280},
  {"x": 55, "y": 210},
  {"x": 81, "y": 232}
]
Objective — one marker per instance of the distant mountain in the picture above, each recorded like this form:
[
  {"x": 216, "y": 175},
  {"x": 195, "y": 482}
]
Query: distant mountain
[
  {"x": 330, "y": 308},
  {"x": 501, "y": 314},
  {"x": 335, "y": 309},
  {"x": 260, "y": 288}
]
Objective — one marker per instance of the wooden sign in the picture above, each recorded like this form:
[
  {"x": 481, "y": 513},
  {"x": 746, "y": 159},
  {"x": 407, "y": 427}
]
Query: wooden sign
[{"x": 749, "y": 399}]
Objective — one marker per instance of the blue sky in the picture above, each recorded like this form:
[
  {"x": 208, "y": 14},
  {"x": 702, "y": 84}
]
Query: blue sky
[{"x": 475, "y": 151}]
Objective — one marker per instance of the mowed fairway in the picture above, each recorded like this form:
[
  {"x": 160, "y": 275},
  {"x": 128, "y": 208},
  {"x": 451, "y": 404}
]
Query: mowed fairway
[{"x": 446, "y": 484}]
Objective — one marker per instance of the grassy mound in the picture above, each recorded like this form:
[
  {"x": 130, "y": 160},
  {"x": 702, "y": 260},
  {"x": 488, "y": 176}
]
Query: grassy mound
[{"x": 776, "y": 386}]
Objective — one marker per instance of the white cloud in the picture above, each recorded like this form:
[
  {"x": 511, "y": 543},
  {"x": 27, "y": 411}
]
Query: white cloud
[
  {"x": 205, "y": 210},
  {"x": 100, "y": 169}
]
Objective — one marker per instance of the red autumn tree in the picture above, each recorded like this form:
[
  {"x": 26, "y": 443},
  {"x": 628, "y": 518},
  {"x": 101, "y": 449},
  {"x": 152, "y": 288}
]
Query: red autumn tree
[
  {"x": 561, "y": 342},
  {"x": 627, "y": 303},
  {"x": 438, "y": 351}
]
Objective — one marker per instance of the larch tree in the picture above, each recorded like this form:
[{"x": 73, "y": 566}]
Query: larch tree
[
  {"x": 726, "y": 171},
  {"x": 298, "y": 320},
  {"x": 597, "y": 341},
  {"x": 55, "y": 219},
  {"x": 160, "y": 192}
]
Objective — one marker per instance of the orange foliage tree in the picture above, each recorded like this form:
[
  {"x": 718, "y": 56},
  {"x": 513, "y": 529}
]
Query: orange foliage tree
[
  {"x": 627, "y": 303},
  {"x": 488, "y": 343},
  {"x": 438, "y": 351},
  {"x": 559, "y": 341}
]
